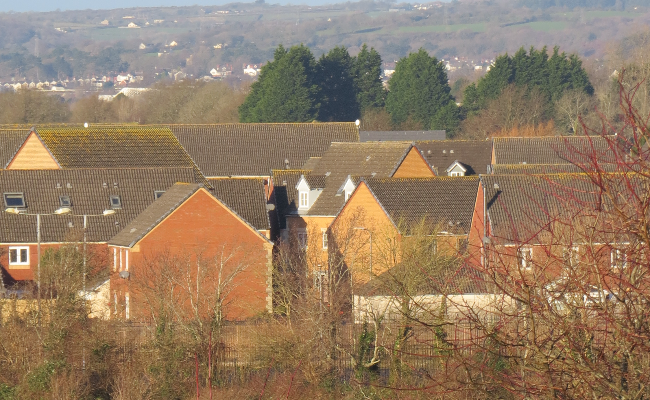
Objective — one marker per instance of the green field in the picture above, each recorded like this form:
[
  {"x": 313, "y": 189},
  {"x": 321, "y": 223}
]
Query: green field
[
  {"x": 480, "y": 27},
  {"x": 110, "y": 34},
  {"x": 545, "y": 26}
]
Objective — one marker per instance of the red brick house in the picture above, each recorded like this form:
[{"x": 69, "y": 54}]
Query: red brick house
[{"x": 189, "y": 223}]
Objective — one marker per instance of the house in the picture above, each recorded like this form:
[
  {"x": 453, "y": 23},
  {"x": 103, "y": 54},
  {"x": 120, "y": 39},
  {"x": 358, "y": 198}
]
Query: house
[
  {"x": 97, "y": 146},
  {"x": 172, "y": 44},
  {"x": 255, "y": 149},
  {"x": 401, "y": 136},
  {"x": 142, "y": 46},
  {"x": 521, "y": 221},
  {"x": 124, "y": 191},
  {"x": 388, "y": 211},
  {"x": 189, "y": 223},
  {"x": 458, "y": 157},
  {"x": 132, "y": 25},
  {"x": 105, "y": 22},
  {"x": 313, "y": 202}
]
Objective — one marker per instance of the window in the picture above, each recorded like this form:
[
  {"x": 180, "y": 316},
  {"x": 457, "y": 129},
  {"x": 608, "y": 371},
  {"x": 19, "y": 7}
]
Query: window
[
  {"x": 324, "y": 231},
  {"x": 571, "y": 256},
  {"x": 433, "y": 247},
  {"x": 525, "y": 255},
  {"x": 64, "y": 201},
  {"x": 18, "y": 255},
  {"x": 456, "y": 173},
  {"x": 127, "y": 306},
  {"x": 302, "y": 239},
  {"x": 320, "y": 280},
  {"x": 157, "y": 194},
  {"x": 304, "y": 200},
  {"x": 14, "y": 200},
  {"x": 116, "y": 202},
  {"x": 618, "y": 259}
]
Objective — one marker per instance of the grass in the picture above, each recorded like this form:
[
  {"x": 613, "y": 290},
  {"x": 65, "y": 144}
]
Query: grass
[
  {"x": 545, "y": 26},
  {"x": 479, "y": 27},
  {"x": 110, "y": 34}
]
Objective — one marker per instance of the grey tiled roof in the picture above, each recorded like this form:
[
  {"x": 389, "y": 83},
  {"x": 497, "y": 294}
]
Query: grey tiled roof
[
  {"x": 246, "y": 197},
  {"x": 85, "y": 187},
  {"x": 393, "y": 136},
  {"x": 542, "y": 169},
  {"x": 10, "y": 142},
  {"x": 444, "y": 202},
  {"x": 551, "y": 150},
  {"x": 256, "y": 149},
  {"x": 370, "y": 159},
  {"x": 154, "y": 214},
  {"x": 475, "y": 155},
  {"x": 311, "y": 163}
]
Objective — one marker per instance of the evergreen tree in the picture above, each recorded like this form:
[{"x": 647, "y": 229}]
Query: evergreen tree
[
  {"x": 367, "y": 75},
  {"x": 419, "y": 89},
  {"x": 337, "y": 86},
  {"x": 286, "y": 90},
  {"x": 535, "y": 70}
]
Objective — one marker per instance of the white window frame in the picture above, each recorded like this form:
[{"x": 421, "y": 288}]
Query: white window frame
[
  {"x": 325, "y": 238},
  {"x": 572, "y": 255},
  {"x": 456, "y": 173},
  {"x": 618, "y": 259},
  {"x": 525, "y": 258},
  {"x": 18, "y": 250},
  {"x": 127, "y": 306},
  {"x": 303, "y": 198},
  {"x": 15, "y": 195},
  {"x": 347, "y": 195}
]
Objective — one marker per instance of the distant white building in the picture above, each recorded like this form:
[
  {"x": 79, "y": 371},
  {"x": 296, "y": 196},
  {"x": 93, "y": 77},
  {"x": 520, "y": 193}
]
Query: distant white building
[
  {"x": 132, "y": 25},
  {"x": 142, "y": 46}
]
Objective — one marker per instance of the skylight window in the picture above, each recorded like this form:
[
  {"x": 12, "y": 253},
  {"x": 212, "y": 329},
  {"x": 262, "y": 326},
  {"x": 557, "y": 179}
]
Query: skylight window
[
  {"x": 64, "y": 201},
  {"x": 116, "y": 202},
  {"x": 14, "y": 200},
  {"x": 158, "y": 193}
]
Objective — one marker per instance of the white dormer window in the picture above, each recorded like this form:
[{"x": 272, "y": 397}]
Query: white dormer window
[
  {"x": 456, "y": 173},
  {"x": 304, "y": 200},
  {"x": 456, "y": 169}
]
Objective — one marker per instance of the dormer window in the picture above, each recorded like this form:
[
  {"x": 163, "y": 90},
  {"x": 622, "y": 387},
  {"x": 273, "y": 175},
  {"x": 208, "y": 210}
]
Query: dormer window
[
  {"x": 14, "y": 200},
  {"x": 304, "y": 200},
  {"x": 456, "y": 169},
  {"x": 157, "y": 194},
  {"x": 347, "y": 195}
]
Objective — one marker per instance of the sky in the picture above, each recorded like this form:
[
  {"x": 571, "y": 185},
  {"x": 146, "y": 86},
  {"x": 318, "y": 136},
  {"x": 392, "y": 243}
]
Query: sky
[{"x": 51, "y": 5}]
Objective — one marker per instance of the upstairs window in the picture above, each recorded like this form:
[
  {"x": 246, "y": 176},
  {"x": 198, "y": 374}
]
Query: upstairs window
[
  {"x": 304, "y": 200},
  {"x": 456, "y": 173},
  {"x": 525, "y": 255},
  {"x": 19, "y": 255},
  {"x": 14, "y": 200},
  {"x": 325, "y": 244},
  {"x": 157, "y": 194},
  {"x": 64, "y": 201},
  {"x": 116, "y": 202},
  {"x": 618, "y": 259},
  {"x": 302, "y": 238},
  {"x": 571, "y": 257}
]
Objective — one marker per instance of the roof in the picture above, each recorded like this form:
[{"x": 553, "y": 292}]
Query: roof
[
  {"x": 10, "y": 142},
  {"x": 444, "y": 277},
  {"x": 393, "y": 136},
  {"x": 447, "y": 202},
  {"x": 311, "y": 163},
  {"x": 246, "y": 197},
  {"x": 551, "y": 149},
  {"x": 256, "y": 149},
  {"x": 89, "y": 191},
  {"x": 474, "y": 155},
  {"x": 542, "y": 169},
  {"x": 115, "y": 146},
  {"x": 154, "y": 214},
  {"x": 520, "y": 208},
  {"x": 369, "y": 159}
]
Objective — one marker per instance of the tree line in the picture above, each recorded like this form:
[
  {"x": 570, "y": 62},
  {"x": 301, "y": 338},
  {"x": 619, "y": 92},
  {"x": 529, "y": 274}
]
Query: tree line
[{"x": 296, "y": 88}]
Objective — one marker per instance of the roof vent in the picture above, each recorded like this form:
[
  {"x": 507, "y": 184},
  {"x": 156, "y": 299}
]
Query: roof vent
[
  {"x": 132, "y": 230},
  {"x": 286, "y": 163},
  {"x": 115, "y": 186},
  {"x": 105, "y": 185},
  {"x": 117, "y": 223},
  {"x": 496, "y": 186},
  {"x": 70, "y": 224},
  {"x": 58, "y": 185},
  {"x": 428, "y": 151},
  {"x": 68, "y": 185},
  {"x": 373, "y": 174},
  {"x": 327, "y": 173},
  {"x": 284, "y": 183},
  {"x": 451, "y": 152},
  {"x": 367, "y": 158},
  {"x": 124, "y": 274},
  {"x": 451, "y": 223},
  {"x": 444, "y": 152}
]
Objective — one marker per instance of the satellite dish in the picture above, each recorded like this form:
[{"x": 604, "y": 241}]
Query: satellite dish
[{"x": 85, "y": 124}]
